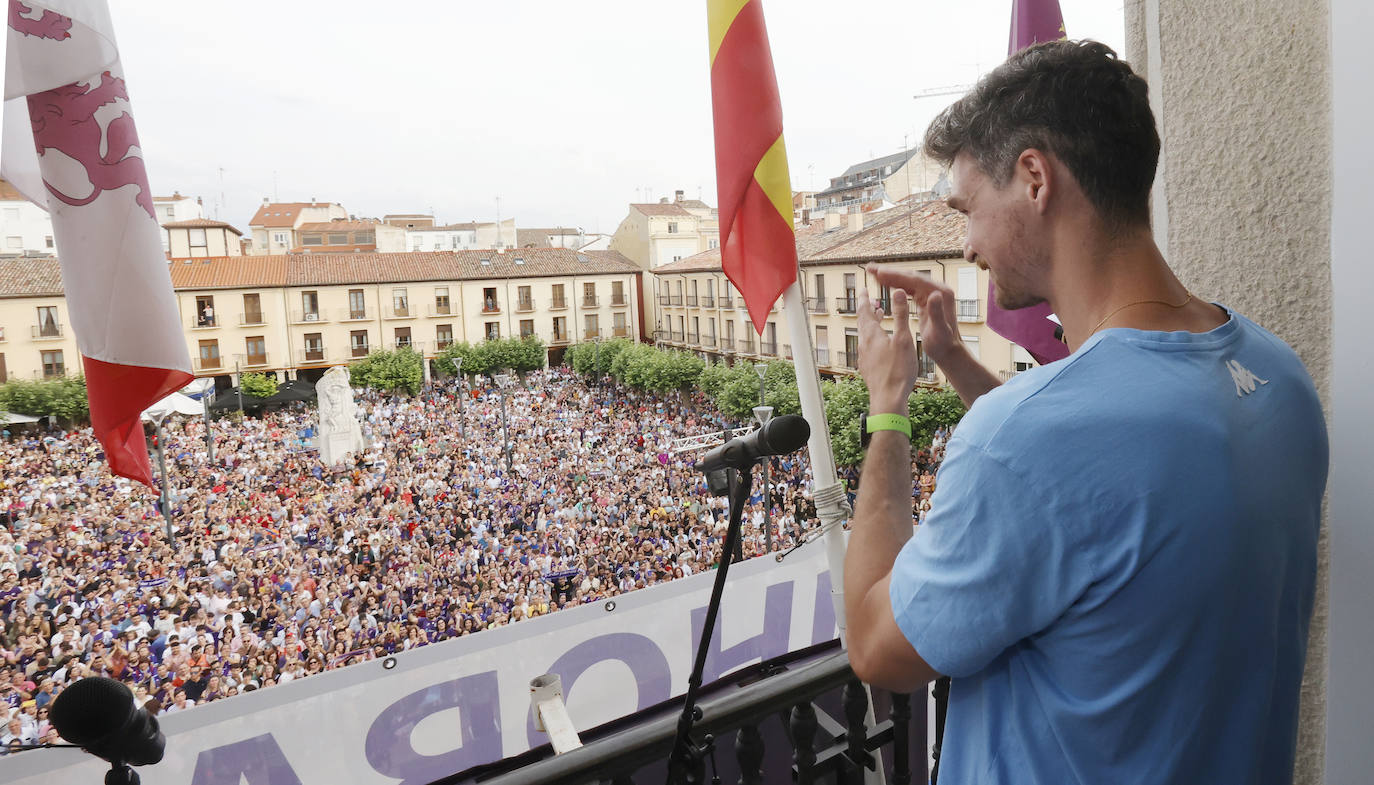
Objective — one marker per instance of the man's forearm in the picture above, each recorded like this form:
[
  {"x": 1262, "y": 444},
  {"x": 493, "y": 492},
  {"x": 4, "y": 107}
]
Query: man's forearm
[
  {"x": 966, "y": 375},
  {"x": 882, "y": 517}
]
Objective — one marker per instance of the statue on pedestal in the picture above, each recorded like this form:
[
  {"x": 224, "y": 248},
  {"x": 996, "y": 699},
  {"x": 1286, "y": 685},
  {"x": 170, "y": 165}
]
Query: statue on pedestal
[{"x": 340, "y": 433}]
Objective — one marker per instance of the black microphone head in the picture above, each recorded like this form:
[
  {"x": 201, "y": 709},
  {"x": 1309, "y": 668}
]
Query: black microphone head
[
  {"x": 99, "y": 715},
  {"x": 784, "y": 434}
]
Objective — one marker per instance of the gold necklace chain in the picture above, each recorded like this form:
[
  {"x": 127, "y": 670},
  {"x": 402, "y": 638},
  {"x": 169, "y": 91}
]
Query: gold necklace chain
[{"x": 1175, "y": 306}]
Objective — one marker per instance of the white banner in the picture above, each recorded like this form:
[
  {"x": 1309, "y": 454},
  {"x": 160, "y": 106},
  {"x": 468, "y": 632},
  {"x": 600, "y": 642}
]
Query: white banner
[{"x": 443, "y": 708}]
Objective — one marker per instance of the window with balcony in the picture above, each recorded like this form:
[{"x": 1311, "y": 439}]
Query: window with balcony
[
  {"x": 403, "y": 338},
  {"x": 589, "y": 295},
  {"x": 209, "y": 355},
  {"x": 560, "y": 329},
  {"x": 492, "y": 331},
  {"x": 558, "y": 300},
  {"x": 400, "y": 302},
  {"x": 310, "y": 306},
  {"x": 255, "y": 350},
  {"x": 489, "y": 302},
  {"x": 252, "y": 309},
  {"x": 48, "y": 326},
  {"x": 849, "y": 303},
  {"x": 205, "y": 311},
  {"x": 357, "y": 343},
  {"x": 357, "y": 304},
  {"x": 617, "y": 292},
  {"x": 524, "y": 300},
  {"x": 592, "y": 326},
  {"x": 526, "y": 328},
  {"x": 441, "y": 300},
  {"x": 53, "y": 366},
  {"x": 443, "y": 336},
  {"x": 966, "y": 295},
  {"x": 619, "y": 325},
  {"x": 851, "y": 348},
  {"x": 314, "y": 347}
]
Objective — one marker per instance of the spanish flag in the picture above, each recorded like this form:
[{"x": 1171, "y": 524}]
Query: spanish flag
[{"x": 757, "y": 245}]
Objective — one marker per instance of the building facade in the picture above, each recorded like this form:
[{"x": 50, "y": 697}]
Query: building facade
[
  {"x": 700, "y": 310},
  {"x": 201, "y": 238},
  {"x": 274, "y": 226},
  {"x": 882, "y": 182},
  {"x": 300, "y": 314}
]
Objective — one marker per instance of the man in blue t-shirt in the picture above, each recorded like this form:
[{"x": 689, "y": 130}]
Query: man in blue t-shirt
[{"x": 1119, "y": 564}]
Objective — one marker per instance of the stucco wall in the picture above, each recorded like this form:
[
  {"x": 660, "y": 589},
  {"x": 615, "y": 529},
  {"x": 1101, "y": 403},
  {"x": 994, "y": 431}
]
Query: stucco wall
[{"x": 1247, "y": 189}]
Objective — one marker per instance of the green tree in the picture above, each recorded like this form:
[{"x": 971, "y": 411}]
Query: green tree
[
  {"x": 930, "y": 409},
  {"x": 845, "y": 399},
  {"x": 444, "y": 362},
  {"x": 258, "y": 385},
  {"x": 63, "y": 398},
  {"x": 393, "y": 371}
]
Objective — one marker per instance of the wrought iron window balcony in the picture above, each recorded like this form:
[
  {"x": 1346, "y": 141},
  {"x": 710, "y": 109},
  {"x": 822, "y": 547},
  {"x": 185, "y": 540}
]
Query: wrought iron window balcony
[
  {"x": 664, "y": 299},
  {"x": 249, "y": 319},
  {"x": 444, "y": 309},
  {"x": 769, "y": 348},
  {"x": 313, "y": 354},
  {"x": 848, "y": 360},
  {"x": 691, "y": 338},
  {"x": 707, "y": 301},
  {"x": 727, "y": 302},
  {"x": 823, "y": 357},
  {"x": 727, "y": 344},
  {"x": 848, "y": 305},
  {"x": 591, "y": 301},
  {"x": 524, "y": 306},
  {"x": 620, "y": 332},
  {"x": 746, "y": 346},
  {"x": 677, "y": 299},
  {"x": 46, "y": 331},
  {"x": 708, "y": 340},
  {"x": 691, "y": 301},
  {"x": 619, "y": 302},
  {"x": 967, "y": 310},
  {"x": 558, "y": 304},
  {"x": 816, "y": 304},
  {"x": 678, "y": 337},
  {"x": 307, "y": 317}
]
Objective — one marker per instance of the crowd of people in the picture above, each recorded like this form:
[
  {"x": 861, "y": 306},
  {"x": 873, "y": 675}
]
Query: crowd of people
[{"x": 280, "y": 567}]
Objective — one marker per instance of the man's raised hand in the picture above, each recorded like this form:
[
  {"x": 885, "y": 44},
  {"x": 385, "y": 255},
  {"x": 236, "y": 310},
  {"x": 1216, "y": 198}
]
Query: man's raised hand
[{"x": 934, "y": 308}]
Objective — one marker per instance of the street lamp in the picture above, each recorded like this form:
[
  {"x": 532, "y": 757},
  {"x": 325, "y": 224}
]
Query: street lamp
[
  {"x": 503, "y": 381},
  {"x": 460, "y": 392},
  {"x": 163, "y": 502},
  {"x": 763, "y": 414}
]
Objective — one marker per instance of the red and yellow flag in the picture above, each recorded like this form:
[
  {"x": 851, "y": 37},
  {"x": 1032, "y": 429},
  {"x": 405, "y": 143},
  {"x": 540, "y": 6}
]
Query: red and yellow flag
[{"x": 758, "y": 247}]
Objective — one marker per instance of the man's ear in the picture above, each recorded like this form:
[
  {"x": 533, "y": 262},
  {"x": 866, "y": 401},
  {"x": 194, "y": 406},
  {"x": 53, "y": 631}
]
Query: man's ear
[{"x": 1036, "y": 177}]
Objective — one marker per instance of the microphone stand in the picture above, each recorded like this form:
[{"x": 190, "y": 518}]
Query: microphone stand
[{"x": 687, "y": 763}]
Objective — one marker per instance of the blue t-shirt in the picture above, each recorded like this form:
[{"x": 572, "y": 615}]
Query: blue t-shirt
[{"x": 1119, "y": 564}]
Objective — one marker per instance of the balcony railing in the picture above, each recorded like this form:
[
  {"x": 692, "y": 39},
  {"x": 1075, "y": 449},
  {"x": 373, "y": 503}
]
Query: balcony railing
[
  {"x": 305, "y": 317},
  {"x": 679, "y": 336},
  {"x": 727, "y": 344},
  {"x": 708, "y": 301},
  {"x": 677, "y": 299},
  {"x": 351, "y": 315},
  {"x": 620, "y": 332},
  {"x": 560, "y": 338},
  {"x": 691, "y": 337},
  {"x": 588, "y": 335},
  {"x": 664, "y": 299},
  {"x": 313, "y": 354},
  {"x": 848, "y": 304},
  {"x": 441, "y": 309},
  {"x": 558, "y": 304},
  {"x": 823, "y": 357},
  {"x": 358, "y": 350},
  {"x": 663, "y": 335},
  {"x": 254, "y": 360},
  {"x": 822, "y": 707},
  {"x": 400, "y": 312},
  {"x": 847, "y": 360},
  {"x": 491, "y": 306},
  {"x": 967, "y": 310},
  {"x": 691, "y": 301},
  {"x": 787, "y": 350},
  {"x": 727, "y": 302},
  {"x": 441, "y": 344},
  {"x": 618, "y": 301},
  {"x": 48, "y": 331},
  {"x": 204, "y": 322},
  {"x": 768, "y": 348},
  {"x": 745, "y": 346},
  {"x": 815, "y": 304},
  {"x": 208, "y": 363},
  {"x": 524, "y": 306},
  {"x": 590, "y": 301},
  {"x": 249, "y": 319},
  {"x": 708, "y": 340}
]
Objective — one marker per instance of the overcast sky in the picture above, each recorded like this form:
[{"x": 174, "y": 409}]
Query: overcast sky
[{"x": 566, "y": 111}]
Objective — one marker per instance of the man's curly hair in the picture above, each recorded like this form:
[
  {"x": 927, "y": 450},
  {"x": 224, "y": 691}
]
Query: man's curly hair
[{"x": 1074, "y": 99}]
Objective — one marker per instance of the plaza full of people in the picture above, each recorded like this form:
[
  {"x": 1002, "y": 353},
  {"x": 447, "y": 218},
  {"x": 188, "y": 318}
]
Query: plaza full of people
[{"x": 280, "y": 567}]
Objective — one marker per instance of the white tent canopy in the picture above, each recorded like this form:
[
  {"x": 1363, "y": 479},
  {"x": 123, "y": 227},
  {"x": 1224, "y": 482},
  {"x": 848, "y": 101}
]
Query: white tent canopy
[
  {"x": 176, "y": 403},
  {"x": 8, "y": 417}
]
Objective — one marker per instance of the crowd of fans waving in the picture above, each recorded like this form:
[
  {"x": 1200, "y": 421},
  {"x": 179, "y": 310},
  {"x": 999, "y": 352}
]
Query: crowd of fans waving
[{"x": 282, "y": 568}]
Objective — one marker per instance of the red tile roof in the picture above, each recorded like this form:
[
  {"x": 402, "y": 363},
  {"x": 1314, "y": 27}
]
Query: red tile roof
[
  {"x": 8, "y": 193},
  {"x": 201, "y": 223},
  {"x": 278, "y": 214},
  {"x": 660, "y": 208},
  {"x": 24, "y": 277}
]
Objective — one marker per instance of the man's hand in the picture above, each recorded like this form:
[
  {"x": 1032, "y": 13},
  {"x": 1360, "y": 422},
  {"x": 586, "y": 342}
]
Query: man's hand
[
  {"x": 934, "y": 309},
  {"x": 887, "y": 362}
]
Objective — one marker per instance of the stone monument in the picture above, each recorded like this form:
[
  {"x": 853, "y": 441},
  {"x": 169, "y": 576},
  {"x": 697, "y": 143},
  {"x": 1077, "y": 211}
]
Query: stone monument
[{"x": 340, "y": 433}]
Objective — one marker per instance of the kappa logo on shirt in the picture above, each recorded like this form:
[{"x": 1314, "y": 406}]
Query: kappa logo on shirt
[{"x": 1246, "y": 382}]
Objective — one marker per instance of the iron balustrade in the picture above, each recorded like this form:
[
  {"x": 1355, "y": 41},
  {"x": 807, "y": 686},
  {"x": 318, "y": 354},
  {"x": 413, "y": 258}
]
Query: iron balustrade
[
  {"x": 813, "y": 710},
  {"x": 967, "y": 310},
  {"x": 822, "y": 356},
  {"x": 815, "y": 304},
  {"x": 849, "y": 304}
]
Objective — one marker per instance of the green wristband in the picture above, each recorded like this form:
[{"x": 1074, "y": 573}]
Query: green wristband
[{"x": 888, "y": 422}]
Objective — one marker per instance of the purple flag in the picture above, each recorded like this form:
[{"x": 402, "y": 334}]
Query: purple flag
[{"x": 1032, "y": 21}]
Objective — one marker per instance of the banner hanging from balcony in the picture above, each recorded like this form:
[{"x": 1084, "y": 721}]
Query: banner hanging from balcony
[
  {"x": 1032, "y": 21},
  {"x": 758, "y": 248},
  {"x": 70, "y": 146}
]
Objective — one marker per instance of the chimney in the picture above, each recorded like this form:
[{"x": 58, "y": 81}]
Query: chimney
[
  {"x": 833, "y": 221},
  {"x": 856, "y": 222},
  {"x": 677, "y": 196}
]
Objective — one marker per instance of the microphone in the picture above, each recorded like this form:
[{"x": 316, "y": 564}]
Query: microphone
[
  {"x": 99, "y": 715},
  {"x": 778, "y": 436}
]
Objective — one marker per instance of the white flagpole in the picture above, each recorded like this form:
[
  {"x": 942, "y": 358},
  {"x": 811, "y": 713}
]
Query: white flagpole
[{"x": 832, "y": 504}]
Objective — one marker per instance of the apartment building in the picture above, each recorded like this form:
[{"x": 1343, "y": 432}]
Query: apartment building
[
  {"x": 200, "y": 238},
  {"x": 297, "y": 315},
  {"x": 698, "y": 309},
  {"x": 274, "y": 227},
  {"x": 346, "y": 235},
  {"x": 881, "y": 182}
]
